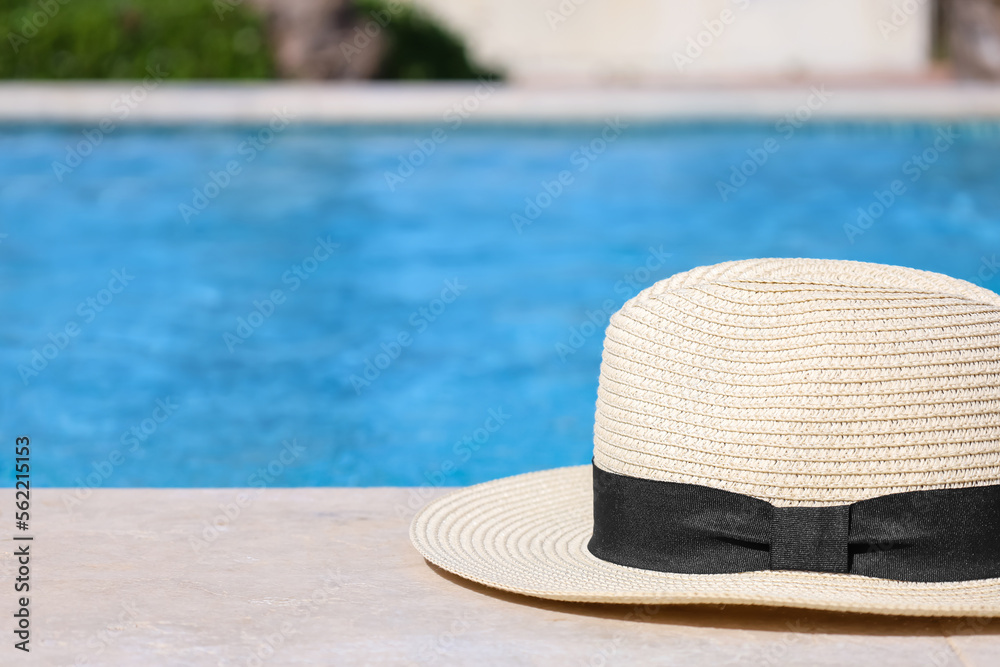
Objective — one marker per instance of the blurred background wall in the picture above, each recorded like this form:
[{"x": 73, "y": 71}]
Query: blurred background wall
[
  {"x": 542, "y": 41},
  {"x": 667, "y": 39}
]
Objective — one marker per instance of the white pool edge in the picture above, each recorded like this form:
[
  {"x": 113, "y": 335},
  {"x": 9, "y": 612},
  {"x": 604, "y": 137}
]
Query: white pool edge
[{"x": 157, "y": 101}]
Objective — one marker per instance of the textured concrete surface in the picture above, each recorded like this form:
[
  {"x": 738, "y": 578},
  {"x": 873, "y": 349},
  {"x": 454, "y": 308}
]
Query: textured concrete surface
[
  {"x": 158, "y": 100},
  {"x": 327, "y": 576}
]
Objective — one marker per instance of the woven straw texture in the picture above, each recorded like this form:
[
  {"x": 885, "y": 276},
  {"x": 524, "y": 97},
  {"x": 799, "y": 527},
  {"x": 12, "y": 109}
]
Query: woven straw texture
[{"x": 801, "y": 382}]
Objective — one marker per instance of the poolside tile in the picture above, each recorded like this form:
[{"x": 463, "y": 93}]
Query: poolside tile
[{"x": 310, "y": 576}]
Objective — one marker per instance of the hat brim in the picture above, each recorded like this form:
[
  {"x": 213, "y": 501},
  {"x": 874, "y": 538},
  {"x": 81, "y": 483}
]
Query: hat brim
[{"x": 528, "y": 534}]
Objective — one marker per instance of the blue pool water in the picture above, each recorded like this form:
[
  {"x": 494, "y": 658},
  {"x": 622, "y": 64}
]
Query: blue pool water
[{"x": 482, "y": 363}]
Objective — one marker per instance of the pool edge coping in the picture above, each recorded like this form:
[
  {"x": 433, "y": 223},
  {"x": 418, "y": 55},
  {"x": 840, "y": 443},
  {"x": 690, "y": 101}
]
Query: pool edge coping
[{"x": 156, "y": 101}]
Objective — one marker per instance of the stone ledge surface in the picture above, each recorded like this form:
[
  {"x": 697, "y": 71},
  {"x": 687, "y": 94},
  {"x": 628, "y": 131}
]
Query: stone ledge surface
[
  {"x": 327, "y": 576},
  {"x": 169, "y": 102}
]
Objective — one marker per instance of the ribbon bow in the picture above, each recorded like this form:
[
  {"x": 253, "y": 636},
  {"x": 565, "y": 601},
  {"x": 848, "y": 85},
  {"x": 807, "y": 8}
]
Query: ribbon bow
[{"x": 936, "y": 535}]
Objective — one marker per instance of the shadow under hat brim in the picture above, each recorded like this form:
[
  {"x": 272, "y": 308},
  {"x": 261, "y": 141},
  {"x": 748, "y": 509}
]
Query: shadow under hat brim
[{"x": 528, "y": 534}]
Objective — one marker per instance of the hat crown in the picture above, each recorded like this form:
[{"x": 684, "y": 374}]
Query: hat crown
[{"x": 804, "y": 382}]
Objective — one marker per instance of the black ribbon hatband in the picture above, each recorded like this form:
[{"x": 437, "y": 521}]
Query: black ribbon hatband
[{"x": 936, "y": 535}]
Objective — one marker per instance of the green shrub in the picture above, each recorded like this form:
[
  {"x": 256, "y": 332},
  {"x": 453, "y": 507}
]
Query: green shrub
[
  {"x": 417, "y": 47},
  {"x": 100, "y": 39},
  {"x": 196, "y": 39}
]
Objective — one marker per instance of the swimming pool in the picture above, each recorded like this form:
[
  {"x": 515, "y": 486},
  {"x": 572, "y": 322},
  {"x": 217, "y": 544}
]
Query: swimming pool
[{"x": 353, "y": 305}]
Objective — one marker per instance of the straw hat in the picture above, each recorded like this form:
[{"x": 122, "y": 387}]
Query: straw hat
[{"x": 799, "y": 382}]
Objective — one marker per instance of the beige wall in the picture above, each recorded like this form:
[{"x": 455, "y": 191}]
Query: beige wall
[{"x": 597, "y": 40}]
